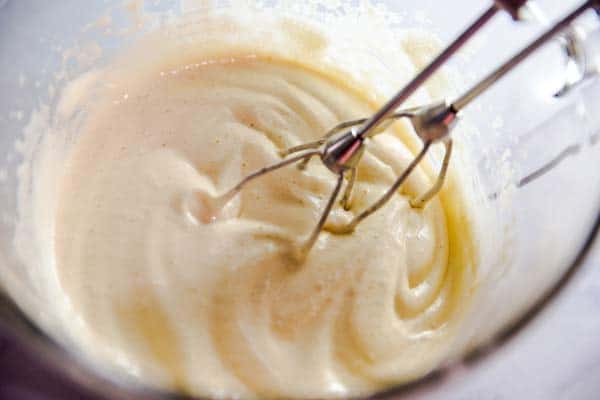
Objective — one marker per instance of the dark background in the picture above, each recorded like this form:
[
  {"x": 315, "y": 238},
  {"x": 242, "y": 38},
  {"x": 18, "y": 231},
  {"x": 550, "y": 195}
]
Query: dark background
[{"x": 23, "y": 377}]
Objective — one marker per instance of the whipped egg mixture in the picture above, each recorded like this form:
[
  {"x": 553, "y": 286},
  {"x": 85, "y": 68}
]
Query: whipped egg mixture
[{"x": 218, "y": 308}]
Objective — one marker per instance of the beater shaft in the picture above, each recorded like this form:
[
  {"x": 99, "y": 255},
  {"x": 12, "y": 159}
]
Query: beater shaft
[
  {"x": 426, "y": 73},
  {"x": 493, "y": 77}
]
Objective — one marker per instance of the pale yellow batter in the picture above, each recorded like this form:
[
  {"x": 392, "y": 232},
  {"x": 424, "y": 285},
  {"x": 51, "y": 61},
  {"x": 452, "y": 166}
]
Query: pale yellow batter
[{"x": 218, "y": 309}]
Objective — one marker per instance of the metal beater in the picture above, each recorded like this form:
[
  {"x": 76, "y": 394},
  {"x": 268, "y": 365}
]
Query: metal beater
[{"x": 341, "y": 148}]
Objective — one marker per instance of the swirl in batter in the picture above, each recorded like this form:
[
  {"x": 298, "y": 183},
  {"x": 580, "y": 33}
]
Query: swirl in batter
[{"x": 217, "y": 309}]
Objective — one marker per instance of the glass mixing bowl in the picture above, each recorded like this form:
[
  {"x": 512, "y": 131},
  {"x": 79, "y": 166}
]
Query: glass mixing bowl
[{"x": 540, "y": 229}]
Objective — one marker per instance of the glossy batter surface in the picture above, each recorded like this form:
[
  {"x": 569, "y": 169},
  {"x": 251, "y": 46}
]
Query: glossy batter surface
[{"x": 218, "y": 309}]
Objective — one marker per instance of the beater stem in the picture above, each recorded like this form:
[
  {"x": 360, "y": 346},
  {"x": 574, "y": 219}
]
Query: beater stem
[
  {"x": 483, "y": 85},
  {"x": 414, "y": 84}
]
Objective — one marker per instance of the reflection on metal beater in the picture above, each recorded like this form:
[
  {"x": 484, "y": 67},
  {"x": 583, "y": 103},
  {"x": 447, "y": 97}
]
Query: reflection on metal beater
[{"x": 342, "y": 148}]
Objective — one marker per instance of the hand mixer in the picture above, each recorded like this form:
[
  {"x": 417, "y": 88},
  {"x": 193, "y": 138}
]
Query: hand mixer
[{"x": 342, "y": 148}]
